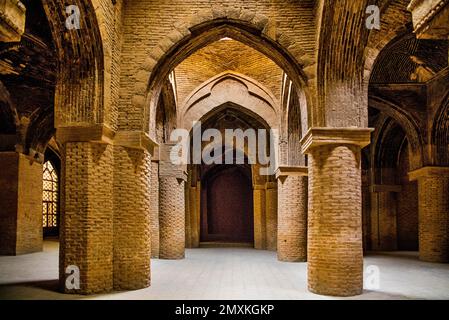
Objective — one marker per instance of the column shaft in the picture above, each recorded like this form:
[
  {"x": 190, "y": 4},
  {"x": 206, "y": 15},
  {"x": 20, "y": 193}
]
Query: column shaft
[
  {"x": 154, "y": 209},
  {"x": 433, "y": 197},
  {"x": 172, "y": 217},
  {"x": 132, "y": 221},
  {"x": 86, "y": 230},
  {"x": 292, "y": 218},
  {"x": 335, "y": 255},
  {"x": 21, "y": 204}
]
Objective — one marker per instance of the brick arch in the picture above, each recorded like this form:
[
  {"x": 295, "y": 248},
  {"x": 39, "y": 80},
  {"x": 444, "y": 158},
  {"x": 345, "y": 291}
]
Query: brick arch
[
  {"x": 391, "y": 28},
  {"x": 440, "y": 134},
  {"x": 205, "y": 27},
  {"x": 246, "y": 93},
  {"x": 79, "y": 98},
  {"x": 408, "y": 123}
]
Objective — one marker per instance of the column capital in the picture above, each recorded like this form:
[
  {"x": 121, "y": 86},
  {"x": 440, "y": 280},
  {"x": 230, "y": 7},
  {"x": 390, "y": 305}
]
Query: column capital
[
  {"x": 284, "y": 171},
  {"x": 93, "y": 133},
  {"x": 135, "y": 140},
  {"x": 429, "y": 172},
  {"x": 319, "y": 136}
]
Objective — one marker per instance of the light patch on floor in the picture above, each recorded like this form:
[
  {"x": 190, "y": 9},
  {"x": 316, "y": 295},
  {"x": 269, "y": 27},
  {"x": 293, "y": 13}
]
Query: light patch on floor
[{"x": 228, "y": 273}]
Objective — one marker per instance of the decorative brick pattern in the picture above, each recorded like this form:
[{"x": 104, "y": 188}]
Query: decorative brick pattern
[
  {"x": 292, "y": 218},
  {"x": 260, "y": 232},
  {"x": 272, "y": 215},
  {"x": 383, "y": 221},
  {"x": 21, "y": 203},
  {"x": 433, "y": 192},
  {"x": 171, "y": 217},
  {"x": 335, "y": 255},
  {"x": 154, "y": 209},
  {"x": 87, "y": 215},
  {"x": 132, "y": 227}
]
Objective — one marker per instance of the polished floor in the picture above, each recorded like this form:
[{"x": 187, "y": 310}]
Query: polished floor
[{"x": 230, "y": 273}]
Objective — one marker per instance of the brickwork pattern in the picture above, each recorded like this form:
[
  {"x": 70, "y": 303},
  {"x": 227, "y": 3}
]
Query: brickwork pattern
[
  {"x": 21, "y": 203},
  {"x": 433, "y": 218},
  {"x": 171, "y": 218},
  {"x": 408, "y": 217},
  {"x": 292, "y": 219},
  {"x": 259, "y": 200},
  {"x": 224, "y": 56},
  {"x": 144, "y": 30},
  {"x": 87, "y": 215},
  {"x": 335, "y": 255},
  {"x": 154, "y": 209},
  {"x": 383, "y": 221},
  {"x": 132, "y": 227},
  {"x": 272, "y": 216}
]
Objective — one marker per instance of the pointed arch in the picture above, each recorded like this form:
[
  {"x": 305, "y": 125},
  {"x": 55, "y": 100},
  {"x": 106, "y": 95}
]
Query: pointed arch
[{"x": 205, "y": 27}]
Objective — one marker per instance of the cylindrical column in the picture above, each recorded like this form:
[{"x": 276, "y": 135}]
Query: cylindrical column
[
  {"x": 171, "y": 219},
  {"x": 271, "y": 213},
  {"x": 259, "y": 216},
  {"x": 335, "y": 254},
  {"x": 292, "y": 214},
  {"x": 154, "y": 209},
  {"x": 433, "y": 197},
  {"x": 132, "y": 224},
  {"x": 87, "y": 217}
]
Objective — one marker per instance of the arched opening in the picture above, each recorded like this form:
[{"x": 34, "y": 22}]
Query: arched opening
[{"x": 227, "y": 205}]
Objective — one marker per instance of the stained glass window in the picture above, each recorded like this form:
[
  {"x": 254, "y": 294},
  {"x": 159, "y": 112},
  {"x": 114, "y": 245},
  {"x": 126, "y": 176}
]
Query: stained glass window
[{"x": 50, "y": 196}]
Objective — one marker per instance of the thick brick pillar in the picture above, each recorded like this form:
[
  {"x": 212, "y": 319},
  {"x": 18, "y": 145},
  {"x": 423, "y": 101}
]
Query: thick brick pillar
[
  {"x": 192, "y": 219},
  {"x": 21, "y": 204},
  {"x": 171, "y": 207},
  {"x": 259, "y": 200},
  {"x": 335, "y": 255},
  {"x": 433, "y": 198},
  {"x": 271, "y": 210},
  {"x": 154, "y": 209},
  {"x": 384, "y": 217},
  {"x": 132, "y": 220},
  {"x": 292, "y": 214},
  {"x": 86, "y": 230}
]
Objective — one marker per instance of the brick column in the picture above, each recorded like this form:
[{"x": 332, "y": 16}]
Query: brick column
[
  {"x": 154, "y": 209},
  {"x": 132, "y": 223},
  {"x": 193, "y": 218},
  {"x": 384, "y": 217},
  {"x": 335, "y": 255},
  {"x": 433, "y": 198},
  {"x": 271, "y": 210},
  {"x": 171, "y": 207},
  {"x": 292, "y": 214},
  {"x": 21, "y": 204},
  {"x": 86, "y": 229},
  {"x": 259, "y": 201}
]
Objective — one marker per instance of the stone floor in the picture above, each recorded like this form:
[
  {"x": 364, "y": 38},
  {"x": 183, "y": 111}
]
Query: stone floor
[{"x": 234, "y": 273}]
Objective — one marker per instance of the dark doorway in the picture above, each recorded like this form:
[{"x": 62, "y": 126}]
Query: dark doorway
[{"x": 227, "y": 205}]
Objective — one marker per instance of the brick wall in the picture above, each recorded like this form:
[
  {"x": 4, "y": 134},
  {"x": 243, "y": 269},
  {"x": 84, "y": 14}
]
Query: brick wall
[
  {"x": 146, "y": 22},
  {"x": 224, "y": 56}
]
